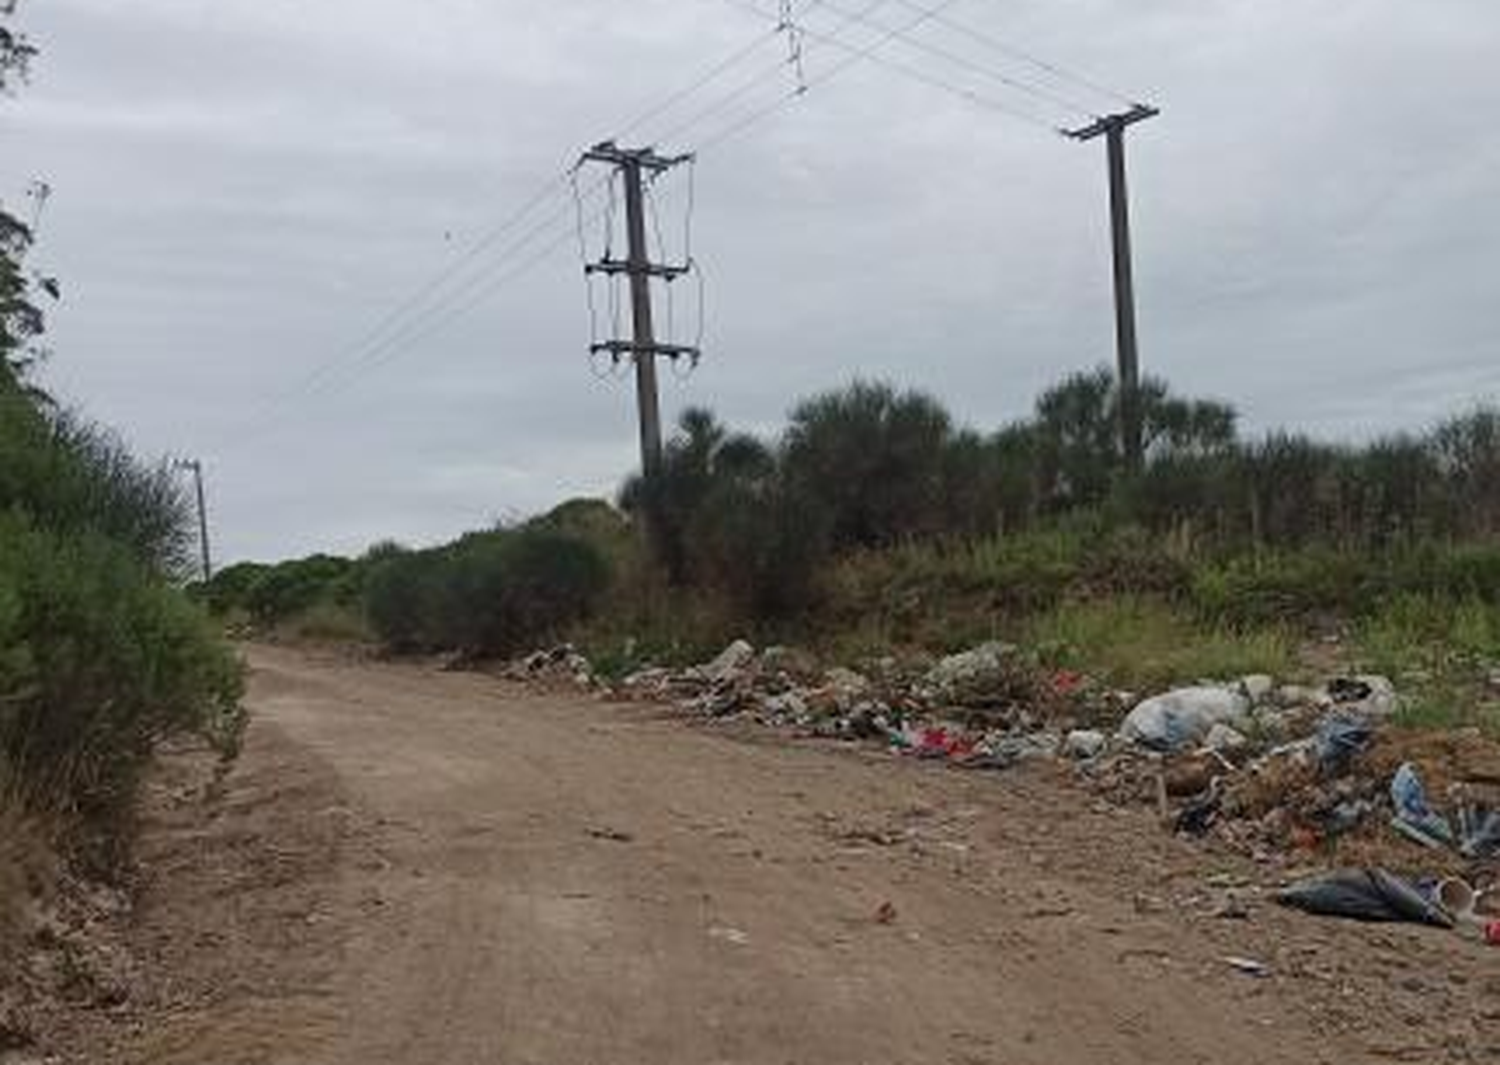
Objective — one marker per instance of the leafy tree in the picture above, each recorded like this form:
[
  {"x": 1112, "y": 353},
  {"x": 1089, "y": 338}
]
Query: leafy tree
[
  {"x": 1467, "y": 452},
  {"x": 16, "y": 52},
  {"x": 701, "y": 452},
  {"x": 874, "y": 458},
  {"x": 21, "y": 321},
  {"x": 1079, "y": 455}
]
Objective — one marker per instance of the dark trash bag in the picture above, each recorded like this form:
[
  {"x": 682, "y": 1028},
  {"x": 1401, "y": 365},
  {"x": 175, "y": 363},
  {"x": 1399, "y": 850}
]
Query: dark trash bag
[{"x": 1364, "y": 895}]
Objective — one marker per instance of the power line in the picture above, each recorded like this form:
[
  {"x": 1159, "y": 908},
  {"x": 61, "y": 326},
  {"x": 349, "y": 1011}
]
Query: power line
[
  {"x": 960, "y": 59},
  {"x": 415, "y": 315},
  {"x": 754, "y": 82},
  {"x": 391, "y": 320},
  {"x": 859, "y": 53},
  {"x": 453, "y": 305},
  {"x": 391, "y": 324},
  {"x": 1056, "y": 70},
  {"x": 715, "y": 72}
]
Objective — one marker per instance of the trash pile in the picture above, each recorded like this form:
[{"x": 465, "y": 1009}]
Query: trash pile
[
  {"x": 987, "y": 708},
  {"x": 1282, "y": 773}
]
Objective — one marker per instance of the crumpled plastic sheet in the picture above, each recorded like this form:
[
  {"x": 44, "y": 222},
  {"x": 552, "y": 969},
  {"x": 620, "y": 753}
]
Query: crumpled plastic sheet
[
  {"x": 1340, "y": 738},
  {"x": 1364, "y": 895},
  {"x": 1415, "y": 818}
]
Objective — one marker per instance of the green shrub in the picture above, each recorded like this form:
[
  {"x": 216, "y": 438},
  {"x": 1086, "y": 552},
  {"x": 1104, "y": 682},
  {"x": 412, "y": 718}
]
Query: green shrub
[
  {"x": 405, "y": 600},
  {"x": 281, "y": 591},
  {"x": 98, "y": 661},
  {"x": 229, "y": 591},
  {"x": 1272, "y": 588},
  {"x": 488, "y": 594},
  {"x": 70, "y": 475}
]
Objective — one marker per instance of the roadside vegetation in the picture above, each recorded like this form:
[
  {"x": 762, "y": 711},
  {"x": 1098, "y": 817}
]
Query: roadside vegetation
[
  {"x": 102, "y": 656},
  {"x": 873, "y": 524}
]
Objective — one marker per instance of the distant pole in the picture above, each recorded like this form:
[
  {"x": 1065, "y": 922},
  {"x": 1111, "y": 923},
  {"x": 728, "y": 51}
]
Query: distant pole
[
  {"x": 196, "y": 468},
  {"x": 634, "y": 164},
  {"x": 1113, "y": 128}
]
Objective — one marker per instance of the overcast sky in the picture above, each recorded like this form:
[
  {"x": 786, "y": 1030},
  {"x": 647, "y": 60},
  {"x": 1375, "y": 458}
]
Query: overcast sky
[{"x": 245, "y": 189}]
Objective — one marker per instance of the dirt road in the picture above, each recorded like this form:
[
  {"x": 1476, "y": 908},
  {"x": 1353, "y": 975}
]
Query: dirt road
[{"x": 424, "y": 868}]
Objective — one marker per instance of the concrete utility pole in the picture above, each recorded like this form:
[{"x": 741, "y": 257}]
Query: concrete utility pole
[
  {"x": 633, "y": 164},
  {"x": 196, "y": 468},
  {"x": 1113, "y": 128}
]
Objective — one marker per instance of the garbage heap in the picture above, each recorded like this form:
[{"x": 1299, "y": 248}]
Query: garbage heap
[{"x": 1287, "y": 774}]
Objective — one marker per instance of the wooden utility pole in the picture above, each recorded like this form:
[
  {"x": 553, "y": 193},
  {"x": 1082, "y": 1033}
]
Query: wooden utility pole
[
  {"x": 1113, "y": 127},
  {"x": 634, "y": 164},
  {"x": 196, "y": 468}
]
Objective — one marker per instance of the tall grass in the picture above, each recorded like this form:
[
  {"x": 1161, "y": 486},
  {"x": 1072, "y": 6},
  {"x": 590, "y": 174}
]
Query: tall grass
[
  {"x": 1144, "y": 644},
  {"x": 101, "y": 656}
]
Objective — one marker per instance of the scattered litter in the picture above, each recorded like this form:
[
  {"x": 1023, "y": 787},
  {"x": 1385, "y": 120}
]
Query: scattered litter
[
  {"x": 1267, "y": 769},
  {"x": 1455, "y": 897},
  {"x": 1341, "y": 738},
  {"x": 1478, "y": 831},
  {"x": 1257, "y": 688},
  {"x": 886, "y": 913},
  {"x": 960, "y": 674},
  {"x": 1368, "y": 696},
  {"x": 1225, "y": 738},
  {"x": 1415, "y": 819},
  {"x": 732, "y": 660},
  {"x": 1183, "y": 717},
  {"x": 611, "y": 835},
  {"x": 1364, "y": 895},
  {"x": 1083, "y": 744},
  {"x": 1248, "y": 966},
  {"x": 1492, "y": 933},
  {"x": 733, "y": 936}
]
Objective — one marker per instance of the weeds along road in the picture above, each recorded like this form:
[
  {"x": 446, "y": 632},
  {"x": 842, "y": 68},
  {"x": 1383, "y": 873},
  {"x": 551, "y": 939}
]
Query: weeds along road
[{"x": 556, "y": 881}]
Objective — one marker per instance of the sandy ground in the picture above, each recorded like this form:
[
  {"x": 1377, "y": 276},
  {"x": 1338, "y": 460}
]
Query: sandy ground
[{"x": 429, "y": 868}]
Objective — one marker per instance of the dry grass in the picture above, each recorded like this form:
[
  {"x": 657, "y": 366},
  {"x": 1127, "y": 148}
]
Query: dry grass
[{"x": 25, "y": 868}]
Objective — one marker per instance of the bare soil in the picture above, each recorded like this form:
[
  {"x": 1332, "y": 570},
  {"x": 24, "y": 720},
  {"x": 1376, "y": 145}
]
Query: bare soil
[{"x": 411, "y": 866}]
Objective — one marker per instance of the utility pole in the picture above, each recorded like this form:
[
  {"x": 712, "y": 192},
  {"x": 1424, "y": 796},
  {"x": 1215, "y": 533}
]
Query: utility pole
[
  {"x": 1113, "y": 127},
  {"x": 634, "y": 164},
  {"x": 196, "y": 468}
]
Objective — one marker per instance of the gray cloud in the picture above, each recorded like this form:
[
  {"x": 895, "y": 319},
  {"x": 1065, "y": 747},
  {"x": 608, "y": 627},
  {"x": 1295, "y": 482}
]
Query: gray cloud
[{"x": 244, "y": 187}]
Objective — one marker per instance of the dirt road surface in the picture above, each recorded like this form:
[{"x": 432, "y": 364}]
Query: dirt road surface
[{"x": 431, "y": 868}]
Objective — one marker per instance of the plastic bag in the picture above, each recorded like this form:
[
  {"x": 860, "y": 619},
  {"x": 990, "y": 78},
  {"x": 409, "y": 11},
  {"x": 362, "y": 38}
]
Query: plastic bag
[{"x": 1364, "y": 895}]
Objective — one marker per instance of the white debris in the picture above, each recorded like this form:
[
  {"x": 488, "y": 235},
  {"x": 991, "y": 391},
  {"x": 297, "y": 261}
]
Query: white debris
[
  {"x": 1183, "y": 717},
  {"x": 732, "y": 661},
  {"x": 1083, "y": 744}
]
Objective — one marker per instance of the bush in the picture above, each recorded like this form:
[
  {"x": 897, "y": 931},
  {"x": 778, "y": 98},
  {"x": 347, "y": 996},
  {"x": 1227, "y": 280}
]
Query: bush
[
  {"x": 489, "y": 594},
  {"x": 404, "y": 600},
  {"x": 98, "y": 661},
  {"x": 1300, "y": 586},
  {"x": 291, "y": 588},
  {"x": 68, "y": 475}
]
